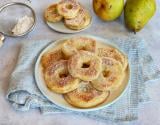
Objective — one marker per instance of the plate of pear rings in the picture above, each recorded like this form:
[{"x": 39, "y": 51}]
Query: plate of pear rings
[
  {"x": 82, "y": 72},
  {"x": 67, "y": 16}
]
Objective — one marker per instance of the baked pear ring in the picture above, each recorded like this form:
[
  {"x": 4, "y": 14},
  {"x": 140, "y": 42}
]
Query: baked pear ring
[
  {"x": 113, "y": 53},
  {"x": 85, "y": 96},
  {"x": 75, "y": 44},
  {"x": 51, "y": 14},
  {"x": 81, "y": 21},
  {"x": 51, "y": 57},
  {"x": 58, "y": 79},
  {"x": 111, "y": 76},
  {"x": 85, "y": 65},
  {"x": 68, "y": 8}
]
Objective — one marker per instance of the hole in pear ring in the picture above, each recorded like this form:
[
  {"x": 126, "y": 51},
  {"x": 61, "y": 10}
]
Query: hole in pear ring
[
  {"x": 106, "y": 73},
  {"x": 69, "y": 6},
  {"x": 63, "y": 75},
  {"x": 85, "y": 65},
  {"x": 82, "y": 48}
]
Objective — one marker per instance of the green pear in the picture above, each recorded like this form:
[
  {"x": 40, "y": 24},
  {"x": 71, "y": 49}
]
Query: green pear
[
  {"x": 108, "y": 10},
  {"x": 138, "y": 12}
]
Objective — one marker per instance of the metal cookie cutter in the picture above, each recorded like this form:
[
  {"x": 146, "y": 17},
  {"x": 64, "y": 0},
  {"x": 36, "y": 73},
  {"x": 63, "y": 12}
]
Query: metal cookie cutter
[{"x": 22, "y": 5}]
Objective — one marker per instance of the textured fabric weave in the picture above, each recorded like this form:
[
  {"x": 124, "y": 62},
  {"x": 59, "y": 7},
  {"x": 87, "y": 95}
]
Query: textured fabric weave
[{"x": 23, "y": 93}]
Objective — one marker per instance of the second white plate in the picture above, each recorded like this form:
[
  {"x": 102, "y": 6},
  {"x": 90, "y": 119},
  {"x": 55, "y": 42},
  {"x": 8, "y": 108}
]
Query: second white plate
[{"x": 60, "y": 27}]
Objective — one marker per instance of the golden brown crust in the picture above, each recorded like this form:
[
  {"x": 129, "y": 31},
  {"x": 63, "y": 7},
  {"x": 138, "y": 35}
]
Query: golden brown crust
[
  {"x": 111, "y": 76},
  {"x": 58, "y": 79},
  {"x": 85, "y": 65},
  {"x": 68, "y": 8},
  {"x": 49, "y": 58},
  {"x": 113, "y": 53},
  {"x": 72, "y": 46},
  {"x": 85, "y": 96},
  {"x": 81, "y": 21},
  {"x": 51, "y": 14}
]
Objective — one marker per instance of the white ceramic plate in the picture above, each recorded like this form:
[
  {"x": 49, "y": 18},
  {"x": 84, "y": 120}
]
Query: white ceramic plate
[
  {"x": 59, "y": 100},
  {"x": 60, "y": 27}
]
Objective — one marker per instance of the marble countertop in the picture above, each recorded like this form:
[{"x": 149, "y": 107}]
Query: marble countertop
[{"x": 148, "y": 113}]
